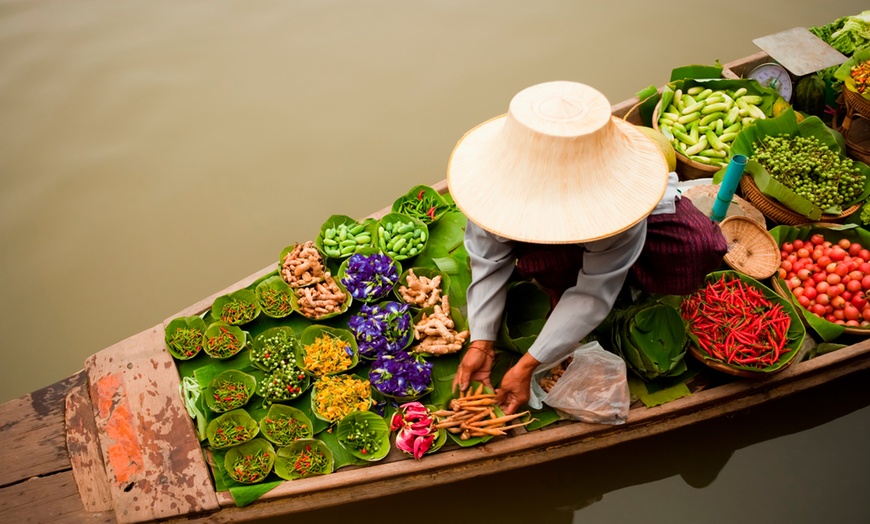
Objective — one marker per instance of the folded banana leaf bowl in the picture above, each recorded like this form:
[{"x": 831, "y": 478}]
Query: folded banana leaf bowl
[
  {"x": 740, "y": 311},
  {"x": 798, "y": 172}
]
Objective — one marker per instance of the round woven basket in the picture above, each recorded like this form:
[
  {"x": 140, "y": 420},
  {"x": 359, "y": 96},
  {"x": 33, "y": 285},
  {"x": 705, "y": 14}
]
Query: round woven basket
[
  {"x": 751, "y": 249},
  {"x": 780, "y": 214},
  {"x": 687, "y": 169}
]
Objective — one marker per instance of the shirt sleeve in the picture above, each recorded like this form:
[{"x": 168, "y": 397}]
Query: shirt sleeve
[
  {"x": 492, "y": 263},
  {"x": 584, "y": 306}
]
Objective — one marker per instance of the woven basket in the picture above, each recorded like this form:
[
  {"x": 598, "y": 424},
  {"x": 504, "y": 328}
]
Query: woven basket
[
  {"x": 856, "y": 102},
  {"x": 751, "y": 249},
  {"x": 780, "y": 214},
  {"x": 687, "y": 169}
]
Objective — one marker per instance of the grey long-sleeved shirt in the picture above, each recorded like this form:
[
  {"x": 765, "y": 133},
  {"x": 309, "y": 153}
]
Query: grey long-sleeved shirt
[
  {"x": 582, "y": 307},
  {"x": 580, "y": 310}
]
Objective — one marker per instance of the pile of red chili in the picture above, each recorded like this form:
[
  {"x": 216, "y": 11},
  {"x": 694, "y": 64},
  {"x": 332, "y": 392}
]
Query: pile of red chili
[{"x": 735, "y": 323}]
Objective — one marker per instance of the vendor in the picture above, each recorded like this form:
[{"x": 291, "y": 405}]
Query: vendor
[{"x": 560, "y": 191}]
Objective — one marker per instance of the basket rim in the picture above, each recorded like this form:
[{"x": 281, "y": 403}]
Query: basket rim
[{"x": 774, "y": 210}]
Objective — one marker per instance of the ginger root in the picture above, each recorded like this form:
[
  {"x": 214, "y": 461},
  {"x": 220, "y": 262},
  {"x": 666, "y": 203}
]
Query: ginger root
[
  {"x": 320, "y": 299},
  {"x": 303, "y": 265},
  {"x": 437, "y": 333},
  {"x": 421, "y": 291}
]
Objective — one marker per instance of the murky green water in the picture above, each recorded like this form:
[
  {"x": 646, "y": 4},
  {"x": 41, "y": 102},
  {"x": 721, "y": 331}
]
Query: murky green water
[{"x": 153, "y": 153}]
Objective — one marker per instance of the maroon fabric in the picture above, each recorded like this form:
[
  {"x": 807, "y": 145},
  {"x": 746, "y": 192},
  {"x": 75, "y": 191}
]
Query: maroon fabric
[
  {"x": 554, "y": 266},
  {"x": 680, "y": 250}
]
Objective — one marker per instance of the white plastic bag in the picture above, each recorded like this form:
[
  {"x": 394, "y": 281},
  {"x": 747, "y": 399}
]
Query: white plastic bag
[{"x": 594, "y": 387}]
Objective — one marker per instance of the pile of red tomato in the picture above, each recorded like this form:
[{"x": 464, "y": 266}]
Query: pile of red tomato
[{"x": 831, "y": 280}]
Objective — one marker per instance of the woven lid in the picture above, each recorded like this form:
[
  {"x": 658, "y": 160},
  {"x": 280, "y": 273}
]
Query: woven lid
[
  {"x": 751, "y": 249},
  {"x": 557, "y": 169}
]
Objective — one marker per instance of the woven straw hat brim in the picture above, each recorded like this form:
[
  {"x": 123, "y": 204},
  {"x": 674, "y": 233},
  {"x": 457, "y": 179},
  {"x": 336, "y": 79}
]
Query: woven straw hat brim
[{"x": 568, "y": 191}]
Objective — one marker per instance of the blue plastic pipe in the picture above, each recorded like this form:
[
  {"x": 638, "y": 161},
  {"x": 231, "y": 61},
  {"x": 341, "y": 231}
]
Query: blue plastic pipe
[{"x": 726, "y": 189}]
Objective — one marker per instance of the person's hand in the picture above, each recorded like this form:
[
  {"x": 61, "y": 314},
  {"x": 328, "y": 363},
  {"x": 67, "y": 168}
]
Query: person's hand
[
  {"x": 515, "y": 387},
  {"x": 475, "y": 365}
]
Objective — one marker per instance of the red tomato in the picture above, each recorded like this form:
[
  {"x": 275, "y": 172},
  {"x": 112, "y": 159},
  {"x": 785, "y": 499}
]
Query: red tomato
[
  {"x": 832, "y": 279},
  {"x": 818, "y": 310},
  {"x": 782, "y": 273},
  {"x": 798, "y": 291},
  {"x": 864, "y": 267},
  {"x": 844, "y": 243},
  {"x": 822, "y": 287},
  {"x": 865, "y": 254},
  {"x": 854, "y": 249},
  {"x": 817, "y": 239},
  {"x": 841, "y": 270},
  {"x": 839, "y": 314},
  {"x": 803, "y": 273},
  {"x": 823, "y": 299},
  {"x": 838, "y": 303},
  {"x": 798, "y": 243},
  {"x": 819, "y": 276},
  {"x": 859, "y": 300},
  {"x": 803, "y": 301},
  {"x": 788, "y": 247},
  {"x": 834, "y": 291},
  {"x": 810, "y": 292},
  {"x": 850, "y": 312},
  {"x": 854, "y": 286},
  {"x": 847, "y": 296},
  {"x": 865, "y": 314},
  {"x": 837, "y": 254},
  {"x": 830, "y": 317},
  {"x": 786, "y": 265},
  {"x": 865, "y": 282},
  {"x": 823, "y": 260},
  {"x": 856, "y": 275}
]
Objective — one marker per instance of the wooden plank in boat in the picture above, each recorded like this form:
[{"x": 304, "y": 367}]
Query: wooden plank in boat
[
  {"x": 154, "y": 463},
  {"x": 41, "y": 500},
  {"x": 31, "y": 432},
  {"x": 83, "y": 444}
]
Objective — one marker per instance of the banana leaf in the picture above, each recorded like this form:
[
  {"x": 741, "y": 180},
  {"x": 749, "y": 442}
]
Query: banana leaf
[
  {"x": 697, "y": 71},
  {"x": 787, "y": 124},
  {"x": 526, "y": 310},
  {"x": 650, "y": 337},
  {"x": 827, "y": 331}
]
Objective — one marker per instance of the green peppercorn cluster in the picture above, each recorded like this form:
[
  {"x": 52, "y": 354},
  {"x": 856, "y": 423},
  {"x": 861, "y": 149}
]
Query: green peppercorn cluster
[
  {"x": 363, "y": 438},
  {"x": 865, "y": 215},
  {"x": 275, "y": 351},
  {"x": 810, "y": 169}
]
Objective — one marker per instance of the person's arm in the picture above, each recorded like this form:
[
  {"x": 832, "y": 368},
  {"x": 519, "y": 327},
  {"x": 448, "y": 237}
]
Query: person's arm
[
  {"x": 585, "y": 305},
  {"x": 580, "y": 310},
  {"x": 492, "y": 263}
]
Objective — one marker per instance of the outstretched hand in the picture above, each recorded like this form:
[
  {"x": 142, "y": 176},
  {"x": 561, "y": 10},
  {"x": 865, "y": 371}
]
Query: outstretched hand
[
  {"x": 476, "y": 365},
  {"x": 515, "y": 388}
]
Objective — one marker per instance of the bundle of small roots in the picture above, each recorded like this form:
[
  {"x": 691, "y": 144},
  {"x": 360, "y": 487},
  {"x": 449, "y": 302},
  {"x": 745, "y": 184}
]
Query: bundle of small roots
[
  {"x": 303, "y": 265},
  {"x": 320, "y": 299},
  {"x": 473, "y": 414},
  {"x": 437, "y": 332},
  {"x": 421, "y": 291}
]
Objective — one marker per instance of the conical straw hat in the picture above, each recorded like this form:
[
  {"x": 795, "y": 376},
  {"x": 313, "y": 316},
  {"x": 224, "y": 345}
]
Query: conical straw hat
[{"x": 557, "y": 168}]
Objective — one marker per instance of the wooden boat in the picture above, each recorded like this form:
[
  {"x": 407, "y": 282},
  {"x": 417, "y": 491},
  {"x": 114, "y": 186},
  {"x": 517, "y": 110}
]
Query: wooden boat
[{"x": 113, "y": 443}]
